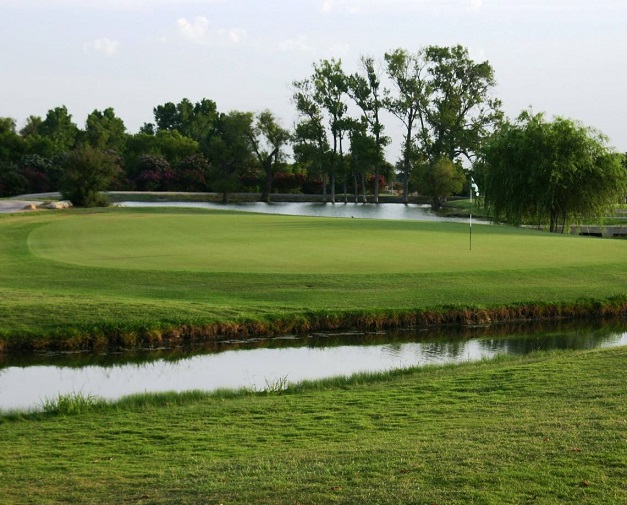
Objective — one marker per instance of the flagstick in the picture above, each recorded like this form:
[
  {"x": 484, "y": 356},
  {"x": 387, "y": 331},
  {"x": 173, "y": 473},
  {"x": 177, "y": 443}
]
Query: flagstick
[{"x": 470, "y": 219}]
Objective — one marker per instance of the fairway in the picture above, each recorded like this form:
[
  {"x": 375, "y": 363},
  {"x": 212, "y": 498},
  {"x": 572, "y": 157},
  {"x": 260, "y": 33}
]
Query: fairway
[{"x": 253, "y": 243}]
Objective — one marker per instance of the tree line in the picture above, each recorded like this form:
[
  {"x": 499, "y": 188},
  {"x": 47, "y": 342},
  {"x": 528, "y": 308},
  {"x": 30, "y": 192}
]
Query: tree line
[{"x": 442, "y": 98}]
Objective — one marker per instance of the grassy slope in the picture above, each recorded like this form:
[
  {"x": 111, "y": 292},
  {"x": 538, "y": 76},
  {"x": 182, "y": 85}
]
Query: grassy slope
[
  {"x": 132, "y": 268},
  {"x": 543, "y": 429}
]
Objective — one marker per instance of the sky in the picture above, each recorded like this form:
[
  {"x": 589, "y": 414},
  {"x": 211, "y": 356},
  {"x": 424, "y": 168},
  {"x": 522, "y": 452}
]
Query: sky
[{"x": 562, "y": 57}]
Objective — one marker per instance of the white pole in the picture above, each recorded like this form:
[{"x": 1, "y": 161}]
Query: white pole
[{"x": 470, "y": 218}]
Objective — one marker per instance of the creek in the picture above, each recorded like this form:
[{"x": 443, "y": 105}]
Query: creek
[{"x": 265, "y": 364}]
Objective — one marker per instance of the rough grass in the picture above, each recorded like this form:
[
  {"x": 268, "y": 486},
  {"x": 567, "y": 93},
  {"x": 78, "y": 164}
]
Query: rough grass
[
  {"x": 546, "y": 429},
  {"x": 86, "y": 278}
]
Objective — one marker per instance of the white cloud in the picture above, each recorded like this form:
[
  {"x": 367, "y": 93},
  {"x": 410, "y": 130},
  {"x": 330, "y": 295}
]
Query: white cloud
[
  {"x": 300, "y": 44},
  {"x": 327, "y": 6},
  {"x": 374, "y": 6},
  {"x": 199, "y": 31},
  {"x": 232, "y": 35},
  {"x": 104, "y": 46},
  {"x": 194, "y": 31},
  {"x": 109, "y": 4},
  {"x": 474, "y": 5}
]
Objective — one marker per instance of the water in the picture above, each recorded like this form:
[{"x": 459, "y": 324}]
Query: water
[
  {"x": 25, "y": 381},
  {"x": 349, "y": 210}
]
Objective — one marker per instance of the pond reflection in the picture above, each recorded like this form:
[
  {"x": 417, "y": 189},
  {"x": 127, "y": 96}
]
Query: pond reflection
[
  {"x": 25, "y": 381},
  {"x": 347, "y": 210}
]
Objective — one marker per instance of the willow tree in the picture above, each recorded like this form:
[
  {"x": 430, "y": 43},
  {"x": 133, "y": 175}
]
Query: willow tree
[{"x": 550, "y": 172}]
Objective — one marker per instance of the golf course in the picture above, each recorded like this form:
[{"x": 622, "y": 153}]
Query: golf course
[
  {"x": 543, "y": 428},
  {"x": 88, "y": 278}
]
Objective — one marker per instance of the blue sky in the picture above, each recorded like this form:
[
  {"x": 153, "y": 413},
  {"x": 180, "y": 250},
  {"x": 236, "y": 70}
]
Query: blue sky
[{"x": 561, "y": 57}]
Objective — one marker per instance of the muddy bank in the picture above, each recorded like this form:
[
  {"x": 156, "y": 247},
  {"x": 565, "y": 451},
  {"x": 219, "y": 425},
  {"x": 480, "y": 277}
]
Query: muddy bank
[{"x": 110, "y": 337}]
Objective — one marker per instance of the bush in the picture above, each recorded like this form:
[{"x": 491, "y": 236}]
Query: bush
[{"x": 86, "y": 172}]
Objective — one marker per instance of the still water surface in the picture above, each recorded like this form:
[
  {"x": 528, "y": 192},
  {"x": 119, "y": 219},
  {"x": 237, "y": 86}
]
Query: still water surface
[
  {"x": 346, "y": 210},
  {"x": 25, "y": 381}
]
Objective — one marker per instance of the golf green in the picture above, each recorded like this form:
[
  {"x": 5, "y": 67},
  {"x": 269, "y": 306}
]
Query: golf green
[{"x": 216, "y": 242}]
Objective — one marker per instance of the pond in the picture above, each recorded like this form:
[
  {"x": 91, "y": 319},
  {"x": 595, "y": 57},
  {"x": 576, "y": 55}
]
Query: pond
[
  {"x": 346, "y": 210},
  {"x": 25, "y": 381}
]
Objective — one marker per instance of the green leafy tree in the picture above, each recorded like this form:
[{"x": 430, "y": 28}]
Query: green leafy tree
[
  {"x": 12, "y": 180},
  {"x": 441, "y": 179},
  {"x": 56, "y": 134},
  {"x": 364, "y": 155},
  {"x": 406, "y": 71},
  {"x": 267, "y": 139},
  {"x": 365, "y": 90},
  {"x": 11, "y": 144},
  {"x": 555, "y": 173},
  {"x": 87, "y": 172},
  {"x": 170, "y": 145},
  {"x": 311, "y": 146},
  {"x": 32, "y": 126},
  {"x": 229, "y": 151},
  {"x": 104, "y": 130},
  {"x": 330, "y": 87},
  {"x": 458, "y": 112},
  {"x": 197, "y": 121},
  {"x": 43, "y": 174},
  {"x": 60, "y": 129}
]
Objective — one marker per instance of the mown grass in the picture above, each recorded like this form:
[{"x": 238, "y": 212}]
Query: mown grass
[
  {"x": 546, "y": 428},
  {"x": 92, "y": 276}
]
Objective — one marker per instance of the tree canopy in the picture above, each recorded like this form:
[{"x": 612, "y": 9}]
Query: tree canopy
[
  {"x": 441, "y": 97},
  {"x": 549, "y": 172}
]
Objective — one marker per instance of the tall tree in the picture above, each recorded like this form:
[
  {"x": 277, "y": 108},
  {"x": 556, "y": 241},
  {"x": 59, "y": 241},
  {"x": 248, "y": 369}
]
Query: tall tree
[
  {"x": 52, "y": 136},
  {"x": 104, "y": 130},
  {"x": 365, "y": 90},
  {"x": 230, "y": 151},
  {"x": 363, "y": 156},
  {"x": 267, "y": 139},
  {"x": 169, "y": 145},
  {"x": 311, "y": 146},
  {"x": 197, "y": 121},
  {"x": 59, "y": 127},
  {"x": 11, "y": 144},
  {"x": 331, "y": 84},
  {"x": 458, "y": 112},
  {"x": 407, "y": 73},
  {"x": 555, "y": 173}
]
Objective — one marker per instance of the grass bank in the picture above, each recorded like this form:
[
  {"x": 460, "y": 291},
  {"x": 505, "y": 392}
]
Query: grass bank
[
  {"x": 546, "y": 428},
  {"x": 94, "y": 278}
]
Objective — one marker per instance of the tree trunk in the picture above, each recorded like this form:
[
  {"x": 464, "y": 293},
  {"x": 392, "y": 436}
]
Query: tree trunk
[
  {"x": 405, "y": 181},
  {"x": 363, "y": 188},
  {"x": 324, "y": 187},
  {"x": 267, "y": 166},
  {"x": 436, "y": 203},
  {"x": 333, "y": 188},
  {"x": 267, "y": 189}
]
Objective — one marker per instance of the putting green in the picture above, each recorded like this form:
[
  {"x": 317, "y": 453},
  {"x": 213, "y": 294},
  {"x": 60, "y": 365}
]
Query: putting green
[{"x": 222, "y": 242}]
